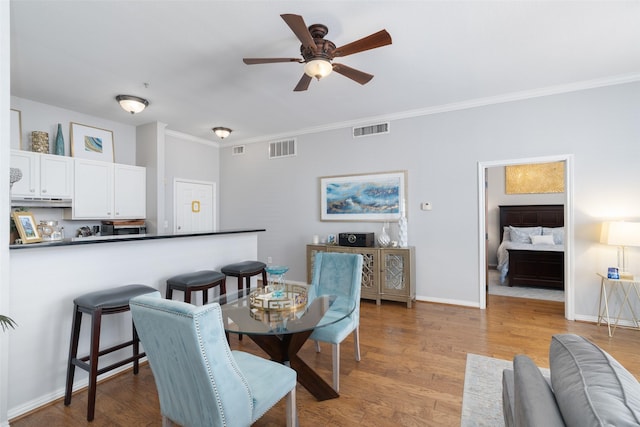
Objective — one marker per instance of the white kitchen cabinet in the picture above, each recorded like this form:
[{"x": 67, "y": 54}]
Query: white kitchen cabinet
[
  {"x": 130, "y": 189},
  {"x": 108, "y": 191},
  {"x": 44, "y": 176}
]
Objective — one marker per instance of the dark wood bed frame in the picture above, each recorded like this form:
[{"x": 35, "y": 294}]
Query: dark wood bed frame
[{"x": 528, "y": 267}]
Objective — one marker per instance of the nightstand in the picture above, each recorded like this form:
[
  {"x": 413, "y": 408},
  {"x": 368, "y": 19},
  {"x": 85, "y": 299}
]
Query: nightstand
[{"x": 624, "y": 292}]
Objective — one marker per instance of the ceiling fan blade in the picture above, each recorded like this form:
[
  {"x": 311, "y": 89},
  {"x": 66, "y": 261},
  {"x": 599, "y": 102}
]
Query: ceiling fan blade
[
  {"x": 356, "y": 75},
  {"x": 303, "y": 84},
  {"x": 252, "y": 61},
  {"x": 379, "y": 39},
  {"x": 299, "y": 28}
]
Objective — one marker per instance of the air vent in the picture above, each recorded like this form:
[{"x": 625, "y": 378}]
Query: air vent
[
  {"x": 285, "y": 148},
  {"x": 237, "y": 150},
  {"x": 371, "y": 130}
]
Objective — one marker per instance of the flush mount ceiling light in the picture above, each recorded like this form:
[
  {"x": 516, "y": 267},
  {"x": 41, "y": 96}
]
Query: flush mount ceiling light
[
  {"x": 221, "y": 132},
  {"x": 132, "y": 104}
]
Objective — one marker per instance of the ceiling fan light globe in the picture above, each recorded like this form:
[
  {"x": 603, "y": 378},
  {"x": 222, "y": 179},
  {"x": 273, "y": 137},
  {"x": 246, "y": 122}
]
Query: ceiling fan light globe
[{"x": 318, "y": 68}]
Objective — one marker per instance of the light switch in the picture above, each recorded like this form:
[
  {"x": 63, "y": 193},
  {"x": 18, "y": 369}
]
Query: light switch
[{"x": 425, "y": 206}]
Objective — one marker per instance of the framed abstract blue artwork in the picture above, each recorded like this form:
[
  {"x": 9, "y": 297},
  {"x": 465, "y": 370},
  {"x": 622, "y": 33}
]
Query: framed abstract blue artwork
[
  {"x": 91, "y": 143},
  {"x": 368, "y": 197}
]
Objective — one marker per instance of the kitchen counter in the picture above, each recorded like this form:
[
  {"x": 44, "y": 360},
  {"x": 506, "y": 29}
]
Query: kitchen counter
[
  {"x": 46, "y": 277},
  {"x": 127, "y": 237}
]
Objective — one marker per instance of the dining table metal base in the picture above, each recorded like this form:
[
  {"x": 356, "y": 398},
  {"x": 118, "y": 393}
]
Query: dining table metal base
[{"x": 284, "y": 349}]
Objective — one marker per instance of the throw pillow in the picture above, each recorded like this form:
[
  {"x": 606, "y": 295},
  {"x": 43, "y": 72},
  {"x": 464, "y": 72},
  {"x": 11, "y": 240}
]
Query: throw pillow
[
  {"x": 542, "y": 240},
  {"x": 523, "y": 234}
]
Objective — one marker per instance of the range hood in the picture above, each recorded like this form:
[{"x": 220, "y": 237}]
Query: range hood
[{"x": 40, "y": 202}]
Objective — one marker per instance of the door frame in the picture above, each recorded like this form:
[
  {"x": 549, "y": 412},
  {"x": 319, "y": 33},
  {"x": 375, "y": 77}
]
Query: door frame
[
  {"x": 569, "y": 273},
  {"x": 214, "y": 201}
]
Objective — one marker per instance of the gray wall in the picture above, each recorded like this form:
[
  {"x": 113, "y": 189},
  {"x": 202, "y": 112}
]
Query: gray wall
[
  {"x": 600, "y": 127},
  {"x": 191, "y": 159}
]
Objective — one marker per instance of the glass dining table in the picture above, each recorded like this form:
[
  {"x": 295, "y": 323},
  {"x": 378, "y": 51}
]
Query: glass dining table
[{"x": 281, "y": 321}]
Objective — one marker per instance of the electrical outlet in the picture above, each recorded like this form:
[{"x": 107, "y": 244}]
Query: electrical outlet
[{"x": 269, "y": 260}]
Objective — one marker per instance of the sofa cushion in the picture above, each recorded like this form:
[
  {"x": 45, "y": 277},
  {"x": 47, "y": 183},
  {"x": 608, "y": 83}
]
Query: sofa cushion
[
  {"x": 508, "y": 398},
  {"x": 591, "y": 387},
  {"x": 534, "y": 403}
]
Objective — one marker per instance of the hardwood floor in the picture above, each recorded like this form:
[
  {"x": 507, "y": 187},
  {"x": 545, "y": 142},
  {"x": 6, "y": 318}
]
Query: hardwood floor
[{"x": 411, "y": 372}]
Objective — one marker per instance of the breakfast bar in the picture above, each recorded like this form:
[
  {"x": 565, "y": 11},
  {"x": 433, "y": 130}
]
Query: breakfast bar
[{"x": 46, "y": 277}]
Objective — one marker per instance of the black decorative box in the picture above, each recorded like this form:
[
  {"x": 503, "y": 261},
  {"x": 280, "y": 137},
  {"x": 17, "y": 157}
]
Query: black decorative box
[{"x": 356, "y": 239}]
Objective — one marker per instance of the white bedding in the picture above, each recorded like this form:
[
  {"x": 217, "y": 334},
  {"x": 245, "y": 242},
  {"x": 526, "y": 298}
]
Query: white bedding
[{"x": 522, "y": 237}]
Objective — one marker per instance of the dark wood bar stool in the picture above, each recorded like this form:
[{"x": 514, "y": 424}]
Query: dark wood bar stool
[
  {"x": 96, "y": 304},
  {"x": 197, "y": 281},
  {"x": 245, "y": 270}
]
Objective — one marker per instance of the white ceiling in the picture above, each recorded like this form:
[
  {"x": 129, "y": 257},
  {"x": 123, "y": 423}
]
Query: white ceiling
[{"x": 445, "y": 54}]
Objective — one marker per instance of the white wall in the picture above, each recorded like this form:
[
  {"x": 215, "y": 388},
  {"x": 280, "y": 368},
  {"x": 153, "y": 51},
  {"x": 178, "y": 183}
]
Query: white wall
[
  {"x": 44, "y": 117},
  {"x": 441, "y": 153},
  {"x": 5, "y": 70},
  {"x": 496, "y": 196}
]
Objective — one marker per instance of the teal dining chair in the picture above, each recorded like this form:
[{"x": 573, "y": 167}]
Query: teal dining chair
[
  {"x": 338, "y": 274},
  {"x": 201, "y": 382}
]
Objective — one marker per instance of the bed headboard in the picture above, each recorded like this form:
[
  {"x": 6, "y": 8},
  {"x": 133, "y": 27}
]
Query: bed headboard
[{"x": 531, "y": 216}]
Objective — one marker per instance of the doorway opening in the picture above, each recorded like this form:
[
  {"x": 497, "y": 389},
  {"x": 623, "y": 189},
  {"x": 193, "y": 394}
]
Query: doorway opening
[{"x": 483, "y": 168}]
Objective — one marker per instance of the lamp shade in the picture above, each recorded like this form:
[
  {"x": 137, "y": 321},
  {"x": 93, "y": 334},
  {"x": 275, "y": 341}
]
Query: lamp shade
[
  {"x": 132, "y": 104},
  {"x": 620, "y": 233},
  {"x": 318, "y": 68}
]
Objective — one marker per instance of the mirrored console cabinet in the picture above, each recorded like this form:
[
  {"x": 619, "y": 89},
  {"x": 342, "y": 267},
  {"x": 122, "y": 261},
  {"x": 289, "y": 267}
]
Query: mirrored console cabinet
[{"x": 387, "y": 273}]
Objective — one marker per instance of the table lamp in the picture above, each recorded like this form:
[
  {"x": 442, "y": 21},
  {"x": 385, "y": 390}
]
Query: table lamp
[{"x": 621, "y": 234}]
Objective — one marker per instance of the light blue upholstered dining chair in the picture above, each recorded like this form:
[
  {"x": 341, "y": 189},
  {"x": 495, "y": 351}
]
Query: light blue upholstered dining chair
[
  {"x": 338, "y": 274},
  {"x": 200, "y": 381}
]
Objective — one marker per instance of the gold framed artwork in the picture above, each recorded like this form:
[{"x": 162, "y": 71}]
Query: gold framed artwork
[
  {"x": 536, "y": 178},
  {"x": 88, "y": 142},
  {"x": 26, "y": 225}
]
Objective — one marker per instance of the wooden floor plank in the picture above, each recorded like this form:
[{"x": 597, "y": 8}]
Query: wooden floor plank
[{"x": 411, "y": 372}]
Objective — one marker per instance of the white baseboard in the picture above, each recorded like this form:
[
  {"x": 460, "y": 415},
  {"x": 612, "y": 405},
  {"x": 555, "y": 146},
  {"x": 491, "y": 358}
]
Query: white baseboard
[{"x": 59, "y": 393}]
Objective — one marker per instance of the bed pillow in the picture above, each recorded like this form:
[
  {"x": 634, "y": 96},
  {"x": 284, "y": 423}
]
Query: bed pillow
[
  {"x": 542, "y": 240},
  {"x": 506, "y": 235},
  {"x": 523, "y": 234},
  {"x": 556, "y": 232}
]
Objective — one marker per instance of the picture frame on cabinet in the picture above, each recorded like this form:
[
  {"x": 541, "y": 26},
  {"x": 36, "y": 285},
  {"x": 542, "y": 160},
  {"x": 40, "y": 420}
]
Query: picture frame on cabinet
[
  {"x": 363, "y": 197},
  {"x": 16, "y": 129},
  {"x": 26, "y": 225},
  {"x": 92, "y": 143}
]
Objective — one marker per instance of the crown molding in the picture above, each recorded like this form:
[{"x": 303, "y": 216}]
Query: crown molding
[
  {"x": 187, "y": 137},
  {"x": 456, "y": 106}
]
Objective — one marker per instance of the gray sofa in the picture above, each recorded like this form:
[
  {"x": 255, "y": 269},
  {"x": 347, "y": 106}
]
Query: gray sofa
[{"x": 587, "y": 387}]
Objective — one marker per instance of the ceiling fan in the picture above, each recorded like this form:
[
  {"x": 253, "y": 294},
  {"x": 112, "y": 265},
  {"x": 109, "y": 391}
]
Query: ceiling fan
[{"x": 319, "y": 52}]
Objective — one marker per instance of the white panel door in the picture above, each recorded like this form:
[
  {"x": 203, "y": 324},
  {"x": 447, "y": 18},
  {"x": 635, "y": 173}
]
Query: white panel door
[{"x": 194, "y": 206}]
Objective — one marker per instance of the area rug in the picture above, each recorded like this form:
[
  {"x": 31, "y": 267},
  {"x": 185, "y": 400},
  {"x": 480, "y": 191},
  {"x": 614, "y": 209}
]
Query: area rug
[
  {"x": 482, "y": 398},
  {"x": 495, "y": 288}
]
